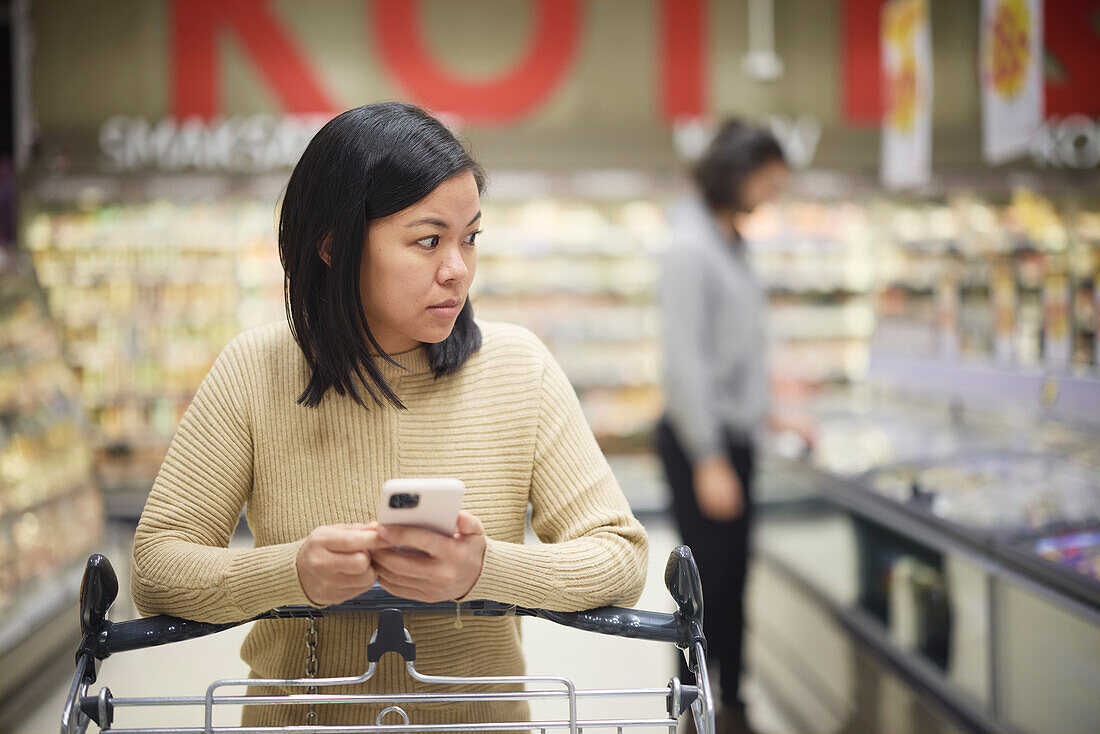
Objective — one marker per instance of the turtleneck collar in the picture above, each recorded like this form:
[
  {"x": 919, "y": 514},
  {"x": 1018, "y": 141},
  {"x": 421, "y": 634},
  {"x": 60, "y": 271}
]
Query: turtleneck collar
[{"x": 412, "y": 362}]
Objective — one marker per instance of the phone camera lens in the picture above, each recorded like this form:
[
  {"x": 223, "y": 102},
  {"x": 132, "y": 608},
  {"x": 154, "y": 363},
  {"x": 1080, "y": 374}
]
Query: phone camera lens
[{"x": 404, "y": 500}]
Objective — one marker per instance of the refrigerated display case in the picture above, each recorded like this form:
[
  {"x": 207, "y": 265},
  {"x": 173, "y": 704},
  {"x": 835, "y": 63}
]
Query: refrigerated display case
[{"x": 961, "y": 542}]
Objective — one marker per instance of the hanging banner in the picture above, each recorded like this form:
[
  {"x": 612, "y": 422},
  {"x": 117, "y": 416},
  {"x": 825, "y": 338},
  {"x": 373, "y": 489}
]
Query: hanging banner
[
  {"x": 907, "y": 90},
  {"x": 1012, "y": 76}
]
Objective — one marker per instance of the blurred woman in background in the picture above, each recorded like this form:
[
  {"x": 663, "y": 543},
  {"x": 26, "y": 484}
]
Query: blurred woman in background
[{"x": 716, "y": 385}]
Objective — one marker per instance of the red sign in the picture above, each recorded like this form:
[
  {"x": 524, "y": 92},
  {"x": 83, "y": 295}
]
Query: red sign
[
  {"x": 520, "y": 90},
  {"x": 1071, "y": 41},
  {"x": 196, "y": 73}
]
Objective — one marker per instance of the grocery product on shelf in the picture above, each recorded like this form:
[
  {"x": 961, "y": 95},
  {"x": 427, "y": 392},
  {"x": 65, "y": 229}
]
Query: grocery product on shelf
[
  {"x": 1057, "y": 339},
  {"x": 50, "y": 509},
  {"x": 1079, "y": 552}
]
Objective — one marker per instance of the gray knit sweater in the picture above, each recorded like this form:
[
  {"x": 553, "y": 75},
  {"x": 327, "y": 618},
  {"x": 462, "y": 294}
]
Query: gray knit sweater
[{"x": 715, "y": 375}]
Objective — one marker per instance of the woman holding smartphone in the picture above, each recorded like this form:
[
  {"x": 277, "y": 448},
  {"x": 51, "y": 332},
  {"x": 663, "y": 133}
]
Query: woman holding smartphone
[{"x": 381, "y": 371}]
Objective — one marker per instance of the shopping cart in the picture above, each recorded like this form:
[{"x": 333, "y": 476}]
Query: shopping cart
[{"x": 684, "y": 628}]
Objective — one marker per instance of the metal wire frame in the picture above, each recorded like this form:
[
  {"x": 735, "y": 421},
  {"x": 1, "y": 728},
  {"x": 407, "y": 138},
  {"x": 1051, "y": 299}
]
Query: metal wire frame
[{"x": 670, "y": 694}]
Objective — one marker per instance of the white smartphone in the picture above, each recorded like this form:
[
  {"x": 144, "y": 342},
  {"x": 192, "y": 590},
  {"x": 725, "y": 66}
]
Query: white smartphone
[{"x": 422, "y": 503}]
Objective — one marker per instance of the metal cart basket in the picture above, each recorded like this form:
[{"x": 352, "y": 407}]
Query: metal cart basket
[{"x": 684, "y": 628}]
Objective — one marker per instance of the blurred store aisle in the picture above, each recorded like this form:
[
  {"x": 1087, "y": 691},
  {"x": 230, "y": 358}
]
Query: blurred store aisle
[{"x": 592, "y": 661}]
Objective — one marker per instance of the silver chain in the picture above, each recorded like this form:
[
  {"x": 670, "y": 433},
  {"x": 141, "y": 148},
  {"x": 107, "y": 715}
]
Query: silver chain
[{"x": 311, "y": 666}]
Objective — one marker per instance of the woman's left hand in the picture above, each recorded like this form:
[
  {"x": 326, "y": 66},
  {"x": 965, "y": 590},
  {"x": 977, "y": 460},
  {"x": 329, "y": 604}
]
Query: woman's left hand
[{"x": 448, "y": 569}]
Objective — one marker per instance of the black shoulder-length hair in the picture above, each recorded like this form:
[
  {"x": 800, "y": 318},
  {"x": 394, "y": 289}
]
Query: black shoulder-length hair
[
  {"x": 736, "y": 152},
  {"x": 364, "y": 164}
]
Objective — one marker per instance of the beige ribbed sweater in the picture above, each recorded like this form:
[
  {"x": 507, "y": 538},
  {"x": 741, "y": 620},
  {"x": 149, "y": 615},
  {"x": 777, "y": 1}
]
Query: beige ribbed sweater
[{"x": 508, "y": 424}]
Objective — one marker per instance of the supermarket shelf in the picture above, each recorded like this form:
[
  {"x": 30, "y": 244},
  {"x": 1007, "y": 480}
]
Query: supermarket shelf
[
  {"x": 913, "y": 289},
  {"x": 823, "y": 290},
  {"x": 50, "y": 511},
  {"x": 591, "y": 254},
  {"x": 12, "y": 511},
  {"x": 586, "y": 384},
  {"x": 809, "y": 335},
  {"x": 636, "y": 295}
]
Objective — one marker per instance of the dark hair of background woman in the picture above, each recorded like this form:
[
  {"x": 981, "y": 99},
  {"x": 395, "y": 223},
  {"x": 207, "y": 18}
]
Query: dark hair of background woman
[
  {"x": 735, "y": 153},
  {"x": 364, "y": 164}
]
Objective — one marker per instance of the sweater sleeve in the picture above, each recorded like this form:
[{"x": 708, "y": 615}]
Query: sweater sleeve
[
  {"x": 689, "y": 375},
  {"x": 593, "y": 552},
  {"x": 181, "y": 563}
]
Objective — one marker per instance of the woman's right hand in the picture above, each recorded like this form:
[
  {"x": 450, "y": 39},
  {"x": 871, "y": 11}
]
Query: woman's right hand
[
  {"x": 334, "y": 562},
  {"x": 718, "y": 489}
]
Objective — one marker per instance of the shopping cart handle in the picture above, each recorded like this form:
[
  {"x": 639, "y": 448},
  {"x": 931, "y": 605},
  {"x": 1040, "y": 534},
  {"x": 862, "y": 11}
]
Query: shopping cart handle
[
  {"x": 162, "y": 629},
  {"x": 103, "y": 638}
]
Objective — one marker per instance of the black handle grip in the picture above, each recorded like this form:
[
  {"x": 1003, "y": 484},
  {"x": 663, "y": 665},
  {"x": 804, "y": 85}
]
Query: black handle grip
[
  {"x": 98, "y": 590},
  {"x": 152, "y": 631},
  {"x": 683, "y": 582},
  {"x": 615, "y": 621}
]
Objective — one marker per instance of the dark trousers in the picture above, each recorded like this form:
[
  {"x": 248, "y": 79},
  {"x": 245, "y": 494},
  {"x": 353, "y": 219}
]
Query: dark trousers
[{"x": 721, "y": 550}]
